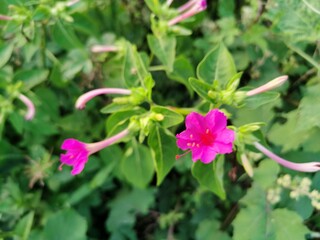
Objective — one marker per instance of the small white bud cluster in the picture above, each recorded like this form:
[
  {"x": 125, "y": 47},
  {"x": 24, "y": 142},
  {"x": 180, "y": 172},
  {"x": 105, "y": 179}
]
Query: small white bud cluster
[
  {"x": 298, "y": 187},
  {"x": 273, "y": 195}
]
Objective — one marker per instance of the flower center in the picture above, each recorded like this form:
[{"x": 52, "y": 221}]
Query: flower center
[{"x": 207, "y": 138}]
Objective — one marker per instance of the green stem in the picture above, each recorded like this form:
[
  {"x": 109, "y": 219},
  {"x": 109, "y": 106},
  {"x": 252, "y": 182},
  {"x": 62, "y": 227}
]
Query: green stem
[
  {"x": 304, "y": 55},
  {"x": 157, "y": 68}
]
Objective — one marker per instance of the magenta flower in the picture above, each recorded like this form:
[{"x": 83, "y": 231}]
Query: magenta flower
[
  {"x": 277, "y": 82},
  {"x": 84, "y": 98},
  {"x": 78, "y": 152},
  {"x": 30, "y": 106},
  {"x": 206, "y": 136},
  {"x": 301, "y": 167},
  {"x": 189, "y": 9}
]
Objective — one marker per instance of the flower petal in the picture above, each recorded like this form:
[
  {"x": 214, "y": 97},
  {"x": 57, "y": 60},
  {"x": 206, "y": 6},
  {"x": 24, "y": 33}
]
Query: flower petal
[
  {"x": 226, "y": 136},
  {"x": 195, "y": 122},
  {"x": 208, "y": 155},
  {"x": 216, "y": 120},
  {"x": 222, "y": 148},
  {"x": 78, "y": 168}
]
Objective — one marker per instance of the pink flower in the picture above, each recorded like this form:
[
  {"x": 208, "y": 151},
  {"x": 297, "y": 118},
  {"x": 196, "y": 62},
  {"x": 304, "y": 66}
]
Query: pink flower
[
  {"x": 78, "y": 152},
  {"x": 30, "y": 106},
  {"x": 277, "y": 82},
  {"x": 189, "y": 9},
  {"x": 206, "y": 136},
  {"x": 84, "y": 98},
  {"x": 301, "y": 167}
]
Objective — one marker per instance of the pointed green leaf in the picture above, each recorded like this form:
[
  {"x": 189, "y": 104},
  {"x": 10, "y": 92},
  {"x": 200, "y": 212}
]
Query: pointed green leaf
[
  {"x": 182, "y": 71},
  {"x": 258, "y": 100},
  {"x": 210, "y": 175},
  {"x": 202, "y": 88},
  {"x": 24, "y": 225},
  {"x": 5, "y": 53},
  {"x": 63, "y": 34},
  {"x": 163, "y": 145},
  {"x": 137, "y": 165},
  {"x": 31, "y": 78},
  {"x": 65, "y": 223},
  {"x": 164, "y": 48},
  {"x": 171, "y": 118},
  {"x": 217, "y": 65},
  {"x": 293, "y": 229},
  {"x": 134, "y": 70}
]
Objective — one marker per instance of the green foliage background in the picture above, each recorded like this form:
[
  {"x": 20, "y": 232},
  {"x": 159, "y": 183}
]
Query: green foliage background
[{"x": 123, "y": 194}]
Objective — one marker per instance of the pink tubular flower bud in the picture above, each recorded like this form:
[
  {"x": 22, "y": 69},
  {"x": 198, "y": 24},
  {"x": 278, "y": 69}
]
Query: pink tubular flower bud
[
  {"x": 78, "y": 152},
  {"x": 72, "y": 2},
  {"x": 187, "y": 5},
  {"x": 277, "y": 82},
  {"x": 301, "y": 167},
  {"x": 84, "y": 98},
  {"x": 104, "y": 48},
  {"x": 192, "y": 8},
  {"x": 5, "y": 18},
  {"x": 169, "y": 2},
  {"x": 30, "y": 106}
]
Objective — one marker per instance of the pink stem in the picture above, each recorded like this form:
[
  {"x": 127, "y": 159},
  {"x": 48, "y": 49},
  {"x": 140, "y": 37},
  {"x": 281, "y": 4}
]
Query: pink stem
[
  {"x": 84, "y": 98},
  {"x": 5, "y": 18},
  {"x": 95, "y": 147},
  {"x": 72, "y": 2},
  {"x": 186, "y": 6},
  {"x": 277, "y": 82},
  {"x": 301, "y": 167},
  {"x": 104, "y": 48},
  {"x": 30, "y": 106}
]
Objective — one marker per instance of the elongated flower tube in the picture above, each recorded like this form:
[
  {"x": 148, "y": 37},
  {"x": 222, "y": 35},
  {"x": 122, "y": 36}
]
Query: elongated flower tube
[
  {"x": 78, "y": 152},
  {"x": 84, "y": 98},
  {"x": 31, "y": 110},
  {"x": 104, "y": 48},
  {"x": 72, "y": 2},
  {"x": 277, "y": 82},
  {"x": 187, "y": 5},
  {"x": 169, "y": 2},
  {"x": 206, "y": 136},
  {"x": 301, "y": 167},
  {"x": 198, "y": 6},
  {"x": 5, "y": 18}
]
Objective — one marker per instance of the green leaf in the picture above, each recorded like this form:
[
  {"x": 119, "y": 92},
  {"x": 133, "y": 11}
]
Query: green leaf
[
  {"x": 32, "y": 77},
  {"x": 116, "y": 107},
  {"x": 118, "y": 119},
  {"x": 309, "y": 109},
  {"x": 209, "y": 230},
  {"x": 126, "y": 205},
  {"x": 163, "y": 145},
  {"x": 41, "y": 13},
  {"x": 64, "y": 224},
  {"x": 287, "y": 135},
  {"x": 5, "y": 53},
  {"x": 254, "y": 222},
  {"x": 217, "y": 65},
  {"x": 24, "y": 225},
  {"x": 258, "y": 221},
  {"x": 258, "y": 100},
  {"x": 171, "y": 118},
  {"x": 64, "y": 36},
  {"x": 164, "y": 48},
  {"x": 182, "y": 71},
  {"x": 293, "y": 229},
  {"x": 134, "y": 70},
  {"x": 210, "y": 175},
  {"x": 153, "y": 5},
  {"x": 202, "y": 88},
  {"x": 137, "y": 165},
  {"x": 266, "y": 174}
]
